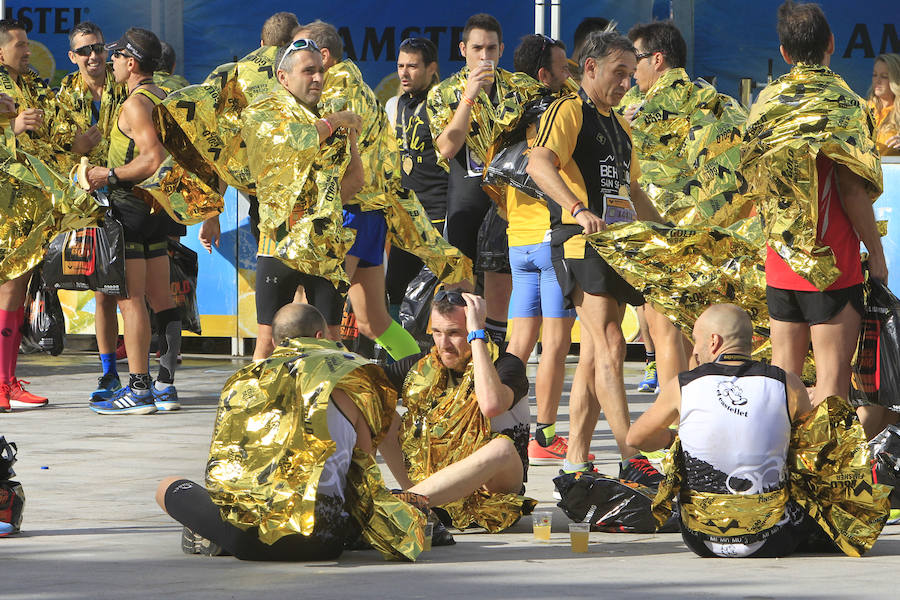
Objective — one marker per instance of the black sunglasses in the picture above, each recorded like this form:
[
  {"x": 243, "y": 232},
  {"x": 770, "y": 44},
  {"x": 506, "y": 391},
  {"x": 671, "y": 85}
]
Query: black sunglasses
[
  {"x": 643, "y": 55},
  {"x": 90, "y": 48},
  {"x": 452, "y": 296},
  {"x": 121, "y": 54}
]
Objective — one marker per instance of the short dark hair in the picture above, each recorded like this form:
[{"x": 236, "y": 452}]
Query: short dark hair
[
  {"x": 278, "y": 28},
  {"x": 482, "y": 21},
  {"x": 444, "y": 306},
  {"x": 324, "y": 35},
  {"x": 7, "y": 25},
  {"x": 588, "y": 25},
  {"x": 803, "y": 31},
  {"x": 534, "y": 52},
  {"x": 664, "y": 37},
  {"x": 84, "y": 28},
  {"x": 147, "y": 41},
  {"x": 166, "y": 57},
  {"x": 425, "y": 47},
  {"x": 600, "y": 44}
]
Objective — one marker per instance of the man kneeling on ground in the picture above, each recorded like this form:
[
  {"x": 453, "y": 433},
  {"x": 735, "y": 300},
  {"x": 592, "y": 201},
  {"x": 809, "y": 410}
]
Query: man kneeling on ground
[
  {"x": 758, "y": 476},
  {"x": 462, "y": 442},
  {"x": 292, "y": 455}
]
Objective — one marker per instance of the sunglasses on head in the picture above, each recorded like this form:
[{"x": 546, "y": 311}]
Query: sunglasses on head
[
  {"x": 452, "y": 296},
  {"x": 301, "y": 44},
  {"x": 546, "y": 41},
  {"x": 88, "y": 49}
]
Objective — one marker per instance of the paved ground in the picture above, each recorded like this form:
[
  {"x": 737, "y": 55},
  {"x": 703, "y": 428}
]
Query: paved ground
[{"x": 92, "y": 529}]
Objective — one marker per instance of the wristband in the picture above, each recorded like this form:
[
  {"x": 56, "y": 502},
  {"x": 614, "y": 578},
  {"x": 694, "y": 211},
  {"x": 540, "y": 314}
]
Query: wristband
[
  {"x": 575, "y": 214},
  {"x": 575, "y": 206},
  {"x": 330, "y": 128},
  {"x": 478, "y": 334},
  {"x": 468, "y": 100}
]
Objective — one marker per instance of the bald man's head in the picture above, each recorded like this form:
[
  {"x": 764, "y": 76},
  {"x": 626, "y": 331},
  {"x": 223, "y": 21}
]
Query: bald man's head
[
  {"x": 722, "y": 328},
  {"x": 297, "y": 320}
]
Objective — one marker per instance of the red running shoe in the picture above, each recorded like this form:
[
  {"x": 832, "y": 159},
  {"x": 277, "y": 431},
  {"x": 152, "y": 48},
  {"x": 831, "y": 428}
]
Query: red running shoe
[
  {"x": 4, "y": 397},
  {"x": 20, "y": 398},
  {"x": 552, "y": 455}
]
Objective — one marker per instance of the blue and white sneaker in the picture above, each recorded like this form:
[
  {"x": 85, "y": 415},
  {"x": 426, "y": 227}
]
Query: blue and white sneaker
[
  {"x": 650, "y": 382},
  {"x": 166, "y": 399},
  {"x": 107, "y": 385},
  {"x": 125, "y": 402}
]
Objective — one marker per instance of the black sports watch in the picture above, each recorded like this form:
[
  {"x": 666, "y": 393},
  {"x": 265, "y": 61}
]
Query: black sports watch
[{"x": 111, "y": 177}]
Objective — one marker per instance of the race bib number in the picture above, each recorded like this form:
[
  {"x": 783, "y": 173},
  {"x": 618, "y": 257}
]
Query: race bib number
[{"x": 617, "y": 209}]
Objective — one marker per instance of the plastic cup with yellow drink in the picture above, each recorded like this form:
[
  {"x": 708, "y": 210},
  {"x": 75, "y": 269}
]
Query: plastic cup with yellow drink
[
  {"x": 542, "y": 521},
  {"x": 579, "y": 533}
]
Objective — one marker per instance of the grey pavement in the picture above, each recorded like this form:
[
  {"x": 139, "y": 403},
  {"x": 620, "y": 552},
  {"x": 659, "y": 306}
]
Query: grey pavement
[{"x": 93, "y": 530}]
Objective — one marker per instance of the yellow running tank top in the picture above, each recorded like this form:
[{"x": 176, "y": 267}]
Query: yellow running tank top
[{"x": 121, "y": 147}]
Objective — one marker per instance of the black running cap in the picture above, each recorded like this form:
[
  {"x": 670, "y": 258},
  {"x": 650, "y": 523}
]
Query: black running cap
[{"x": 129, "y": 45}]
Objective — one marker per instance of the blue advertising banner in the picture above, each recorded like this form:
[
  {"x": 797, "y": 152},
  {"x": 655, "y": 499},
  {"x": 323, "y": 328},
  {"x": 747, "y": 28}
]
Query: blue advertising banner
[{"x": 736, "y": 38}]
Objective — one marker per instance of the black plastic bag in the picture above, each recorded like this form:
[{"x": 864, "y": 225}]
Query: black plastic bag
[
  {"x": 885, "y": 449},
  {"x": 507, "y": 167},
  {"x": 877, "y": 367},
  {"x": 493, "y": 244},
  {"x": 415, "y": 310},
  {"x": 12, "y": 498},
  {"x": 45, "y": 324},
  {"x": 88, "y": 259},
  {"x": 609, "y": 504},
  {"x": 183, "y": 277}
]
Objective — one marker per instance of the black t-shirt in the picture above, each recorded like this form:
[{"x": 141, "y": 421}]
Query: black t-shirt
[
  {"x": 510, "y": 370},
  {"x": 427, "y": 179}
]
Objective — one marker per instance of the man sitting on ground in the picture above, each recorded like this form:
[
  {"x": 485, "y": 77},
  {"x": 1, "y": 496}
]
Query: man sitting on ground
[
  {"x": 462, "y": 442},
  {"x": 282, "y": 489},
  {"x": 746, "y": 489}
]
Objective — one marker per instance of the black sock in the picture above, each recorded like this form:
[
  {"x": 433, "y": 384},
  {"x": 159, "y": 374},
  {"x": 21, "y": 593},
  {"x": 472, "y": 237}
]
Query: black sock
[
  {"x": 651, "y": 356},
  {"x": 140, "y": 382},
  {"x": 169, "y": 328},
  {"x": 544, "y": 433},
  {"x": 497, "y": 331}
]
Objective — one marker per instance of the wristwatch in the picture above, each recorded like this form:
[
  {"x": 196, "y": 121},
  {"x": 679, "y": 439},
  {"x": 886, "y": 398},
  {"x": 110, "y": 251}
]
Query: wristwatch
[
  {"x": 478, "y": 334},
  {"x": 111, "y": 177}
]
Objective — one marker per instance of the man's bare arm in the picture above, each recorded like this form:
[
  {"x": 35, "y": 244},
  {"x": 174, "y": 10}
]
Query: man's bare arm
[
  {"x": 651, "y": 430},
  {"x": 858, "y": 206},
  {"x": 393, "y": 455},
  {"x": 494, "y": 397},
  {"x": 642, "y": 204},
  {"x": 542, "y": 168},
  {"x": 136, "y": 117},
  {"x": 453, "y": 137}
]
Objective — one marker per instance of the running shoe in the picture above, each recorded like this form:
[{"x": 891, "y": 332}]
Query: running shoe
[
  {"x": 6, "y": 529},
  {"x": 20, "y": 398},
  {"x": 894, "y": 517},
  {"x": 639, "y": 470},
  {"x": 552, "y": 455},
  {"x": 650, "y": 382},
  {"x": 192, "y": 543},
  {"x": 4, "y": 397},
  {"x": 165, "y": 400},
  {"x": 125, "y": 402},
  {"x": 107, "y": 385}
]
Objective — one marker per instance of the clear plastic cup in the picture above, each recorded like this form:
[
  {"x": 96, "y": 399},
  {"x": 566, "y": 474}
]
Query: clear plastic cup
[
  {"x": 542, "y": 521},
  {"x": 579, "y": 534}
]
